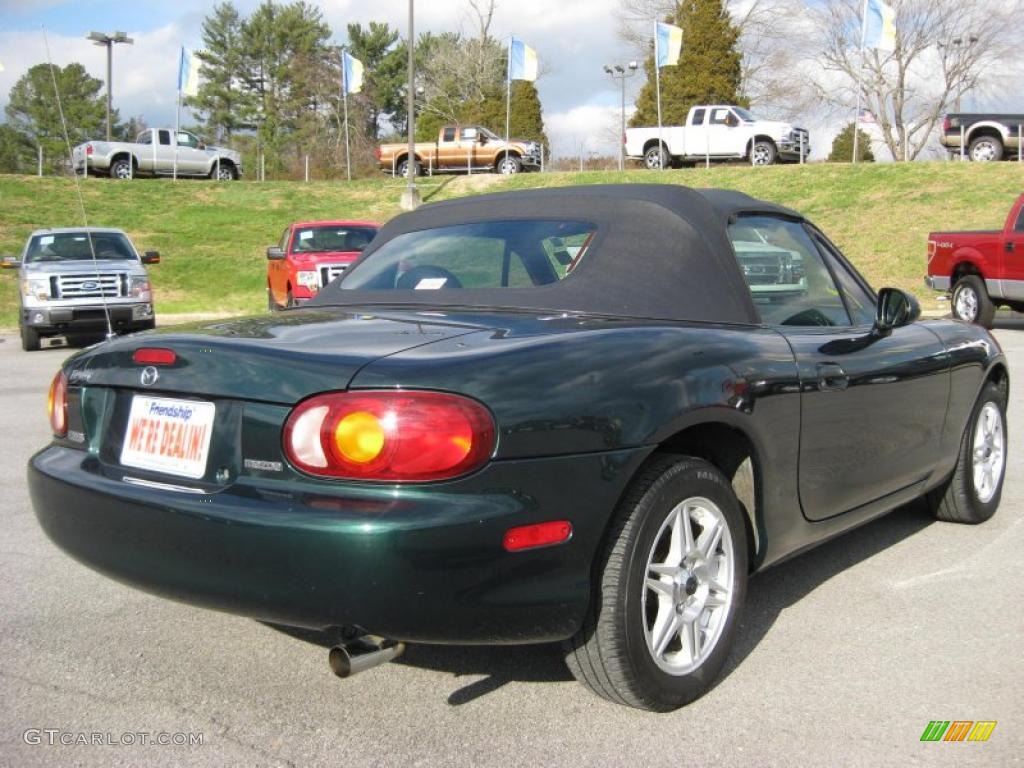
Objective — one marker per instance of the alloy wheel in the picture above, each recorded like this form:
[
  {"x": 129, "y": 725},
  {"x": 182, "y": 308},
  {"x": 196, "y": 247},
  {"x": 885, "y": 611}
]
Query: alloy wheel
[
  {"x": 688, "y": 586},
  {"x": 966, "y": 304},
  {"x": 988, "y": 452}
]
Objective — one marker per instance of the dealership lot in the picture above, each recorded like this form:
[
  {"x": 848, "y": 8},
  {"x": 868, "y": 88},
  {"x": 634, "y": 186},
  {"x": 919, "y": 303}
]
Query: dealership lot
[{"x": 844, "y": 657}]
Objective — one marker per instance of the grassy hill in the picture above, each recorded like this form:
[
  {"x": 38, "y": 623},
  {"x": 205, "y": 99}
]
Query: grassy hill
[{"x": 213, "y": 236}]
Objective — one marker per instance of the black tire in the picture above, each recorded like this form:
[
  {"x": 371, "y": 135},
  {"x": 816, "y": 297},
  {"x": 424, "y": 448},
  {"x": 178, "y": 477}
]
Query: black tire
[
  {"x": 403, "y": 169},
  {"x": 227, "y": 172},
  {"x": 959, "y": 499},
  {"x": 611, "y": 653},
  {"x": 985, "y": 149},
  {"x": 272, "y": 305},
  {"x": 763, "y": 152},
  {"x": 508, "y": 165},
  {"x": 121, "y": 169},
  {"x": 29, "y": 338},
  {"x": 656, "y": 158},
  {"x": 290, "y": 302},
  {"x": 971, "y": 302}
]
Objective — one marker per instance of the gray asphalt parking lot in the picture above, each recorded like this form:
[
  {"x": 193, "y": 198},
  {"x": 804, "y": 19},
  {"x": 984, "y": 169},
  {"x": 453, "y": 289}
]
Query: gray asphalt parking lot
[{"x": 844, "y": 656}]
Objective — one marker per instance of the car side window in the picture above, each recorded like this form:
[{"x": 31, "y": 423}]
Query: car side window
[
  {"x": 786, "y": 273},
  {"x": 448, "y": 135},
  {"x": 187, "y": 140},
  {"x": 144, "y": 138},
  {"x": 165, "y": 138},
  {"x": 1019, "y": 226},
  {"x": 284, "y": 240},
  {"x": 720, "y": 116},
  {"x": 698, "y": 117},
  {"x": 858, "y": 301}
]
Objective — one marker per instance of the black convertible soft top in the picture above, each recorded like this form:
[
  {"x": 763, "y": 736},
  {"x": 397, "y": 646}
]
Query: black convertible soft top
[{"x": 660, "y": 251}]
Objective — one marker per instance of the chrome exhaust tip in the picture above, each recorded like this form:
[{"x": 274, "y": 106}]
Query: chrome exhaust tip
[{"x": 362, "y": 653}]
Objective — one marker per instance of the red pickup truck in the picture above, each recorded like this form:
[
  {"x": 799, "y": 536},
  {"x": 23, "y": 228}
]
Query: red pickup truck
[
  {"x": 982, "y": 270},
  {"x": 309, "y": 255}
]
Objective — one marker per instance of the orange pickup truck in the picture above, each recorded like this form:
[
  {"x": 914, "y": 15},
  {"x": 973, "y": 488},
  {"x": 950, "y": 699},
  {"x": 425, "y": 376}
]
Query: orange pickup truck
[{"x": 462, "y": 149}]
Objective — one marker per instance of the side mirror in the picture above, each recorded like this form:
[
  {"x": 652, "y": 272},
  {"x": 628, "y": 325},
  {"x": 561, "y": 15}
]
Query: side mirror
[
  {"x": 895, "y": 309},
  {"x": 202, "y": 145},
  {"x": 275, "y": 254},
  {"x": 151, "y": 257},
  {"x": 481, "y": 138},
  {"x": 9, "y": 262}
]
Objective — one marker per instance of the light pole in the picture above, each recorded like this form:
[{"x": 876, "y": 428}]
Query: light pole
[
  {"x": 108, "y": 41},
  {"x": 411, "y": 196},
  {"x": 618, "y": 72}
]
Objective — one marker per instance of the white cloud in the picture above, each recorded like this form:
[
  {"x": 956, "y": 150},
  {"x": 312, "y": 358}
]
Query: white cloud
[{"x": 144, "y": 74}]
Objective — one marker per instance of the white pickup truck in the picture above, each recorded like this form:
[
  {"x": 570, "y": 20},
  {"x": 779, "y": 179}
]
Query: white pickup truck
[
  {"x": 718, "y": 132},
  {"x": 155, "y": 153}
]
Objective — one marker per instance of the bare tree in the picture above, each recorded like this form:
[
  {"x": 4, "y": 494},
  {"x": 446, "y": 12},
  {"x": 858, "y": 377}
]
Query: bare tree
[{"x": 944, "y": 49}]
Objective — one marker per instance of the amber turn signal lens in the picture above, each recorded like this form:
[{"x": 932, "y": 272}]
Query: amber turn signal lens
[{"x": 359, "y": 437}]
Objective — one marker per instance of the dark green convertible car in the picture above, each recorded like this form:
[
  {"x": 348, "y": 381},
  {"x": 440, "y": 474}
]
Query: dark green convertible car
[{"x": 583, "y": 415}]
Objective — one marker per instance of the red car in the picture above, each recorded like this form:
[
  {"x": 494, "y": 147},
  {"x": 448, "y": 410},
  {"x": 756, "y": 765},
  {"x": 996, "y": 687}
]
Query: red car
[
  {"x": 310, "y": 255},
  {"x": 982, "y": 270}
]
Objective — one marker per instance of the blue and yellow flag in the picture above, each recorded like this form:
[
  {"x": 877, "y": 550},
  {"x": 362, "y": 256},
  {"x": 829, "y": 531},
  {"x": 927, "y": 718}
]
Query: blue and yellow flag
[
  {"x": 353, "y": 73},
  {"x": 188, "y": 73},
  {"x": 668, "y": 44},
  {"x": 880, "y": 26},
  {"x": 522, "y": 61}
]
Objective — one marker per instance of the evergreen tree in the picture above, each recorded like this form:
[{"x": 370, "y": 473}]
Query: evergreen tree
[
  {"x": 708, "y": 71},
  {"x": 31, "y": 109},
  {"x": 842, "y": 146},
  {"x": 17, "y": 152},
  {"x": 221, "y": 103},
  {"x": 384, "y": 74}
]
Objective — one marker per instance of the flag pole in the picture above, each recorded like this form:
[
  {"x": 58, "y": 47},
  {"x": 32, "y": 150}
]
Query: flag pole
[
  {"x": 344, "y": 99},
  {"x": 508, "y": 95},
  {"x": 657, "y": 88},
  {"x": 860, "y": 75},
  {"x": 177, "y": 127}
]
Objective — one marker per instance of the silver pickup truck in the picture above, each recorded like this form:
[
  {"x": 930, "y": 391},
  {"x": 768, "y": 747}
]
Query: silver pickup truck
[
  {"x": 67, "y": 291},
  {"x": 156, "y": 152}
]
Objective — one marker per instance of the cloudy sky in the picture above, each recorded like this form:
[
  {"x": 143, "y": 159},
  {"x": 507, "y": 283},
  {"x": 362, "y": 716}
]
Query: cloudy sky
[{"x": 581, "y": 104}]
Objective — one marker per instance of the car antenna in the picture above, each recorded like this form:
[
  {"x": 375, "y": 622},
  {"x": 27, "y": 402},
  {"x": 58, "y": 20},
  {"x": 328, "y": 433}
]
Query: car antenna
[{"x": 78, "y": 189}]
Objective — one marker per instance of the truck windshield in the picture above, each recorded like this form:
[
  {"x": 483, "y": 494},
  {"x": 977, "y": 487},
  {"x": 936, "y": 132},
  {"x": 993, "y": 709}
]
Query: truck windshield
[
  {"x": 74, "y": 246},
  {"x": 328, "y": 239},
  {"x": 485, "y": 254}
]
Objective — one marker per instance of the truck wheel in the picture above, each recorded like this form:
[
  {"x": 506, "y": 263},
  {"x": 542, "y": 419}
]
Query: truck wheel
[
  {"x": 668, "y": 596},
  {"x": 655, "y": 158},
  {"x": 971, "y": 302},
  {"x": 403, "y": 169},
  {"x": 29, "y": 338},
  {"x": 985, "y": 149},
  {"x": 508, "y": 165},
  {"x": 226, "y": 172},
  {"x": 121, "y": 169},
  {"x": 972, "y": 492},
  {"x": 763, "y": 153},
  {"x": 272, "y": 305}
]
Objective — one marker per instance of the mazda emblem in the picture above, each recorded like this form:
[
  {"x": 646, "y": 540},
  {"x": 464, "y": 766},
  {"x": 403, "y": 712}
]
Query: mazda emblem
[{"x": 149, "y": 376}]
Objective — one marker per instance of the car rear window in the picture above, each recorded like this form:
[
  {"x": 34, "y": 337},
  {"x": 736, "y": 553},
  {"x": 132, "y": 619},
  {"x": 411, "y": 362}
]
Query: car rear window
[
  {"x": 486, "y": 254},
  {"x": 74, "y": 246}
]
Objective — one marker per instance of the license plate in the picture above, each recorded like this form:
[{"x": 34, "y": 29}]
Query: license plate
[{"x": 167, "y": 435}]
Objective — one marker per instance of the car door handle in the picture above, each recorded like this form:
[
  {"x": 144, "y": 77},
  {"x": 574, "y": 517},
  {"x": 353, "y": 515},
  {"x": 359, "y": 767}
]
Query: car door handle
[
  {"x": 832, "y": 378},
  {"x": 1010, "y": 247}
]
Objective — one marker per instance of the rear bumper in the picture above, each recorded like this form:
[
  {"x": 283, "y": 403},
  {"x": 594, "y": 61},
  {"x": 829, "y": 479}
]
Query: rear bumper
[
  {"x": 87, "y": 318},
  {"x": 421, "y": 564},
  {"x": 937, "y": 283}
]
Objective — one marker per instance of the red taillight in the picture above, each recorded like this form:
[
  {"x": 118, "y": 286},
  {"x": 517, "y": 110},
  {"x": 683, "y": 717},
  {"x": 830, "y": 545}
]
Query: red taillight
[
  {"x": 539, "y": 535},
  {"x": 390, "y": 436},
  {"x": 154, "y": 356},
  {"x": 88, "y": 149},
  {"x": 57, "y": 404},
  {"x": 946, "y": 124}
]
